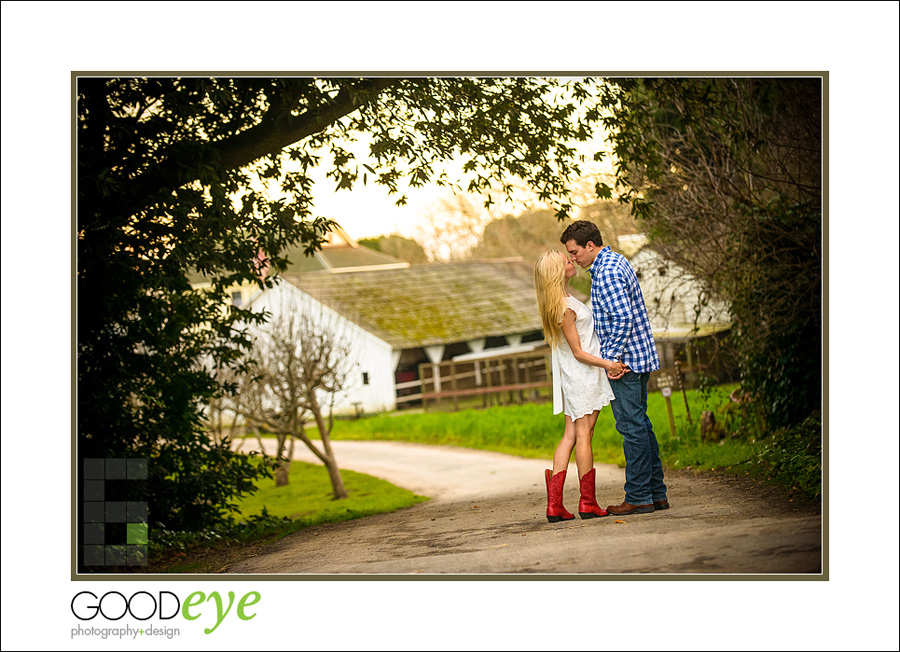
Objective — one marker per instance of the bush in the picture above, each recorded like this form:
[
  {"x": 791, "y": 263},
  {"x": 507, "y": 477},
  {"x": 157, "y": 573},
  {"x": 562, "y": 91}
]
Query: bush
[
  {"x": 793, "y": 456},
  {"x": 227, "y": 531}
]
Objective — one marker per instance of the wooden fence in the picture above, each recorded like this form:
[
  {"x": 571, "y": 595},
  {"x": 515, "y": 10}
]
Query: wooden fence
[
  {"x": 508, "y": 380},
  {"x": 502, "y": 380}
]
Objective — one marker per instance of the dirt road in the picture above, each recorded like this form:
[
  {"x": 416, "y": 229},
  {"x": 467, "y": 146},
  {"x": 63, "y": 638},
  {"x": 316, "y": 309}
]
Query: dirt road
[{"x": 486, "y": 516}]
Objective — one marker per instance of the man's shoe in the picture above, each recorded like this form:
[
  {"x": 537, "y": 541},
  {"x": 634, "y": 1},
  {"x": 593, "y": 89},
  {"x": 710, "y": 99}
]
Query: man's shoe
[
  {"x": 627, "y": 508},
  {"x": 660, "y": 504}
]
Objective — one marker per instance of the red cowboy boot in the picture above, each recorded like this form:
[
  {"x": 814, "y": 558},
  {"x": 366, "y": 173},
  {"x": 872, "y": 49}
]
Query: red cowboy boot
[
  {"x": 587, "y": 506},
  {"x": 555, "y": 510}
]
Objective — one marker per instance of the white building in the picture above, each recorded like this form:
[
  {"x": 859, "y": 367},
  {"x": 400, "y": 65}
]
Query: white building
[
  {"x": 680, "y": 312},
  {"x": 396, "y": 316}
]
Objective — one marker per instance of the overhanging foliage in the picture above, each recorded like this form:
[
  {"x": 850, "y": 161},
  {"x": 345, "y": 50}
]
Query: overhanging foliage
[{"x": 173, "y": 178}]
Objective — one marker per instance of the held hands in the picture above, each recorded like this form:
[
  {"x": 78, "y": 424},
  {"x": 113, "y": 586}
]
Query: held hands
[{"x": 616, "y": 370}]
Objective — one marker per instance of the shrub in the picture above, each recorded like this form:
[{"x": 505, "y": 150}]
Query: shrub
[{"x": 793, "y": 456}]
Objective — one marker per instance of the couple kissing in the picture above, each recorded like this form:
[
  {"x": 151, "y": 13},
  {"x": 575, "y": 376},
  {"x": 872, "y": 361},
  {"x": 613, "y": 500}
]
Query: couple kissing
[{"x": 602, "y": 355}]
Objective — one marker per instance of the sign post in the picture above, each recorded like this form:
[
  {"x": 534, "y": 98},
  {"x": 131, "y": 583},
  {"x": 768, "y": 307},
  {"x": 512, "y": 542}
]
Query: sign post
[{"x": 664, "y": 382}]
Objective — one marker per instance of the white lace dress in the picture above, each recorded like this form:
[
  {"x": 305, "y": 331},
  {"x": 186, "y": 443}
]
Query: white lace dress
[{"x": 578, "y": 388}]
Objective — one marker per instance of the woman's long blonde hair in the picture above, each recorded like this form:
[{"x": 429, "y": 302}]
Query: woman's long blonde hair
[{"x": 549, "y": 286}]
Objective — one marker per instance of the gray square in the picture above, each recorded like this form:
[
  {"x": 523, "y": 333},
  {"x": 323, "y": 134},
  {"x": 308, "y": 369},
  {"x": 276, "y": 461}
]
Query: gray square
[
  {"x": 136, "y": 512},
  {"x": 94, "y": 512},
  {"x": 94, "y": 555},
  {"x": 115, "y": 512},
  {"x": 136, "y": 556},
  {"x": 136, "y": 468},
  {"x": 94, "y": 490},
  {"x": 94, "y": 533},
  {"x": 115, "y": 555},
  {"x": 115, "y": 468},
  {"x": 93, "y": 468}
]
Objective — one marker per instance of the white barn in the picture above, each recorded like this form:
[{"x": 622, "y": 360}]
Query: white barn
[
  {"x": 680, "y": 314},
  {"x": 396, "y": 316}
]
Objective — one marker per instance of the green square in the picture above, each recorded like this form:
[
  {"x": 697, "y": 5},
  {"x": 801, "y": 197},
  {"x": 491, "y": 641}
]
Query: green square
[{"x": 136, "y": 533}]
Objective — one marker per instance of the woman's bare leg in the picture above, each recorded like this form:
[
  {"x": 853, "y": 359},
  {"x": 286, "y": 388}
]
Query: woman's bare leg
[
  {"x": 584, "y": 433},
  {"x": 564, "y": 449}
]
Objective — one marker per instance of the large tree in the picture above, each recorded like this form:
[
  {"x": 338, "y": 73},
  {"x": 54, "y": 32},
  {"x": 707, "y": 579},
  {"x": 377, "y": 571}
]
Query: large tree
[
  {"x": 187, "y": 174},
  {"x": 727, "y": 175}
]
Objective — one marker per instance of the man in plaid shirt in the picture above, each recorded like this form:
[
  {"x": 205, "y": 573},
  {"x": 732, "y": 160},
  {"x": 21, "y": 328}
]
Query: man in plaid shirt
[{"x": 621, "y": 322}]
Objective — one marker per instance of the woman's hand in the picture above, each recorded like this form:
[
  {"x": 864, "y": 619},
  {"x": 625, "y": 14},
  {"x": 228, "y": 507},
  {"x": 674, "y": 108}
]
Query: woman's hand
[{"x": 615, "y": 370}]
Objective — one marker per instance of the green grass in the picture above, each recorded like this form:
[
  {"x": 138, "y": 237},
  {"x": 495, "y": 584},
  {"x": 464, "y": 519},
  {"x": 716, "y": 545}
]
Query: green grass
[
  {"x": 525, "y": 430},
  {"x": 533, "y": 431},
  {"x": 307, "y": 498},
  {"x": 787, "y": 457}
]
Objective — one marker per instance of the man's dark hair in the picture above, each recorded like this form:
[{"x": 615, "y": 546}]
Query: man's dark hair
[{"x": 582, "y": 232}]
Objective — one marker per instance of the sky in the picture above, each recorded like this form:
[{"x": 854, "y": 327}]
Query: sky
[
  {"x": 367, "y": 210},
  {"x": 857, "y": 43}
]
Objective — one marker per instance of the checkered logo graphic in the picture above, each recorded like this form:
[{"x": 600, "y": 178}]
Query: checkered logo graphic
[{"x": 114, "y": 528}]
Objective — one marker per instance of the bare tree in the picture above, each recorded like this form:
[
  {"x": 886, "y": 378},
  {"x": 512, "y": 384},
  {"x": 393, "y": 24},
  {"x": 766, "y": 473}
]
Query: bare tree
[
  {"x": 453, "y": 226},
  {"x": 301, "y": 364}
]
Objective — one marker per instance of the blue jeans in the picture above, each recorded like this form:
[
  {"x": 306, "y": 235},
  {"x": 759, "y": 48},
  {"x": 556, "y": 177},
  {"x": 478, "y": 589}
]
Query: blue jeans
[{"x": 643, "y": 470}]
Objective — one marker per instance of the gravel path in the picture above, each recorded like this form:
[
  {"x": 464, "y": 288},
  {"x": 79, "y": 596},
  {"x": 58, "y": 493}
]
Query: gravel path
[{"x": 486, "y": 516}]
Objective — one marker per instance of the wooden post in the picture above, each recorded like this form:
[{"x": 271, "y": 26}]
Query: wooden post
[
  {"x": 717, "y": 358},
  {"x": 690, "y": 363},
  {"x": 548, "y": 373},
  {"x": 423, "y": 380},
  {"x": 453, "y": 386},
  {"x": 679, "y": 375},
  {"x": 667, "y": 394},
  {"x": 436, "y": 370},
  {"x": 528, "y": 377},
  {"x": 478, "y": 382},
  {"x": 515, "y": 366}
]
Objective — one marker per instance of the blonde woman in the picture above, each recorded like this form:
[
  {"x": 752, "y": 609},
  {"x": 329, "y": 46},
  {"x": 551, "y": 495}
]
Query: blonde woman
[{"x": 580, "y": 385}]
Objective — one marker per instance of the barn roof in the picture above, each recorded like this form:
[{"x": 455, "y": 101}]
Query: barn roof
[
  {"x": 433, "y": 303},
  {"x": 337, "y": 253},
  {"x": 338, "y": 257}
]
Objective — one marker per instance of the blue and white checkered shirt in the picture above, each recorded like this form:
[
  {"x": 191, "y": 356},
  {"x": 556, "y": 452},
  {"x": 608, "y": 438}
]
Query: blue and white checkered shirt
[{"x": 620, "y": 316}]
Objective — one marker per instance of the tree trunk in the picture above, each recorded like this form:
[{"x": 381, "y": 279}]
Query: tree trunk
[
  {"x": 283, "y": 469},
  {"x": 334, "y": 473},
  {"x": 282, "y": 472}
]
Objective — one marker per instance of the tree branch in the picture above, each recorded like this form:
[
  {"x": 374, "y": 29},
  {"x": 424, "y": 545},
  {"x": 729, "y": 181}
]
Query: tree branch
[{"x": 275, "y": 131}]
